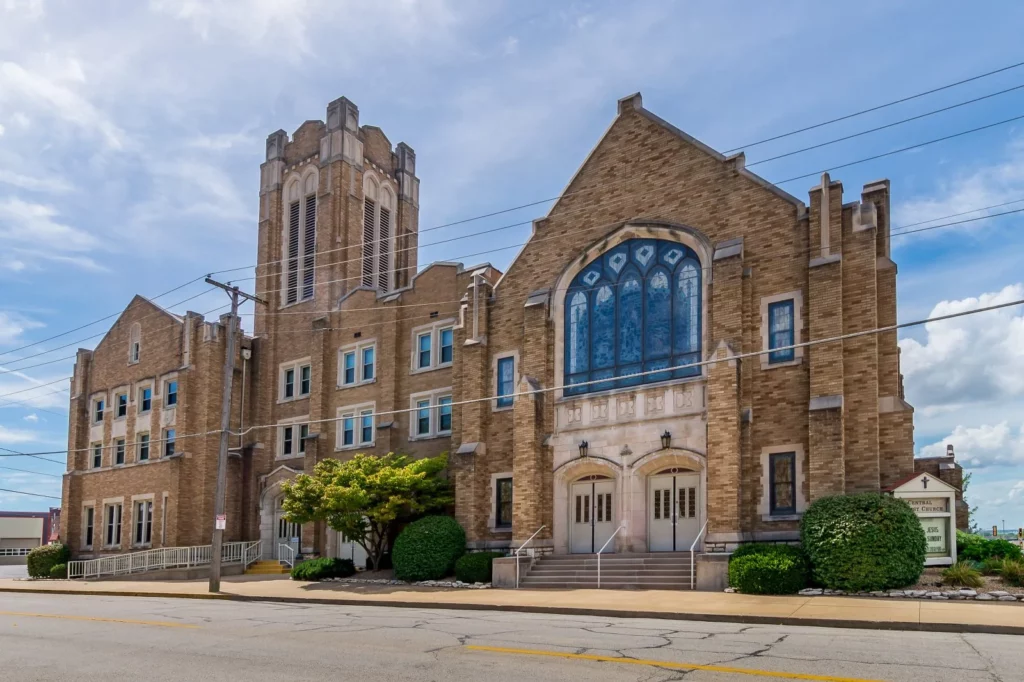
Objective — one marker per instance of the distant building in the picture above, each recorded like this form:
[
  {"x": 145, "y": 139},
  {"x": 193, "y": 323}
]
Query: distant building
[
  {"x": 21, "y": 532},
  {"x": 630, "y": 309}
]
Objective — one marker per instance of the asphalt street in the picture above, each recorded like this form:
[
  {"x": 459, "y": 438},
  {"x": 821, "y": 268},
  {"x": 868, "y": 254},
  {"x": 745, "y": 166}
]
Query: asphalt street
[{"x": 61, "y": 637}]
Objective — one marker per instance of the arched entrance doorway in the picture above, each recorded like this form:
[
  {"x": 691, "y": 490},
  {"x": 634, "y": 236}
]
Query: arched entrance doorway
[
  {"x": 673, "y": 509},
  {"x": 286, "y": 533},
  {"x": 592, "y": 517}
]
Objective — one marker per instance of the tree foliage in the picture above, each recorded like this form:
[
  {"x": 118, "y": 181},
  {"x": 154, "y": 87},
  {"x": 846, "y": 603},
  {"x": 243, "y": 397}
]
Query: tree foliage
[{"x": 367, "y": 496}]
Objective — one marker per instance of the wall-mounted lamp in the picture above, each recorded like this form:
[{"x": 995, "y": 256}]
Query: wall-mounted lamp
[
  {"x": 584, "y": 445},
  {"x": 666, "y": 440}
]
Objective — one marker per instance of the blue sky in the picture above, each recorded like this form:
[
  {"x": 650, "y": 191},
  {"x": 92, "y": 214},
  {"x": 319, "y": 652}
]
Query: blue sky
[{"x": 131, "y": 135}]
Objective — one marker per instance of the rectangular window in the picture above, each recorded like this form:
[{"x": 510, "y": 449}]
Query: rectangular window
[
  {"x": 423, "y": 346},
  {"x": 780, "y": 331},
  {"x": 349, "y": 364},
  {"x": 447, "y": 345},
  {"x": 172, "y": 394},
  {"x": 423, "y": 418},
  {"x": 119, "y": 451},
  {"x": 366, "y": 426},
  {"x": 303, "y": 435},
  {"x": 90, "y": 513},
  {"x": 348, "y": 433},
  {"x": 121, "y": 401},
  {"x": 782, "y": 483},
  {"x": 145, "y": 400},
  {"x": 289, "y": 383},
  {"x": 503, "y": 503},
  {"x": 143, "y": 447},
  {"x": 97, "y": 456},
  {"x": 368, "y": 364},
  {"x": 168, "y": 442},
  {"x": 506, "y": 381},
  {"x": 113, "y": 529},
  {"x": 143, "y": 522},
  {"x": 286, "y": 441},
  {"x": 135, "y": 352},
  {"x": 97, "y": 414},
  {"x": 305, "y": 379},
  {"x": 444, "y": 414}
]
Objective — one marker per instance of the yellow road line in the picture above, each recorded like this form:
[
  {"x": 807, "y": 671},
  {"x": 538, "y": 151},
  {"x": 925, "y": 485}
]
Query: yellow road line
[
  {"x": 670, "y": 664},
  {"x": 157, "y": 623}
]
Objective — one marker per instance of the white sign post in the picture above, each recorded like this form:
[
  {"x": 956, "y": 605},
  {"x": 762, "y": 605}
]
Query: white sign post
[{"x": 934, "y": 502}]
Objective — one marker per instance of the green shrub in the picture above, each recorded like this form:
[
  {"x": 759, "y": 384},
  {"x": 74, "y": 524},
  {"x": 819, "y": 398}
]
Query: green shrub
[
  {"x": 863, "y": 542},
  {"x": 323, "y": 568},
  {"x": 768, "y": 573},
  {"x": 59, "y": 571},
  {"x": 977, "y": 548},
  {"x": 962, "y": 574},
  {"x": 42, "y": 559},
  {"x": 476, "y": 567},
  {"x": 991, "y": 566},
  {"x": 750, "y": 548},
  {"x": 1012, "y": 572},
  {"x": 428, "y": 548}
]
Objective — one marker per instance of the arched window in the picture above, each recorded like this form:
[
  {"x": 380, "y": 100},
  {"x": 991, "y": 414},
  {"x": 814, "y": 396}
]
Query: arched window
[
  {"x": 378, "y": 213},
  {"x": 300, "y": 238},
  {"x": 635, "y": 309}
]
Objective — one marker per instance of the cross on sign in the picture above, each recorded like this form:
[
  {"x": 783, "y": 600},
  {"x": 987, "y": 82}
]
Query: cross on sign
[{"x": 924, "y": 482}]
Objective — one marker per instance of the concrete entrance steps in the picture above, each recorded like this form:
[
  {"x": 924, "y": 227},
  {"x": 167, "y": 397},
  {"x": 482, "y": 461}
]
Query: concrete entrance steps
[
  {"x": 268, "y": 568},
  {"x": 650, "y": 571}
]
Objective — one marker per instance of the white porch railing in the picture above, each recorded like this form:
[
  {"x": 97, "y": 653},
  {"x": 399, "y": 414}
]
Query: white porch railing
[
  {"x": 521, "y": 548},
  {"x": 281, "y": 553},
  {"x": 15, "y": 551},
  {"x": 243, "y": 553},
  {"x": 600, "y": 551}
]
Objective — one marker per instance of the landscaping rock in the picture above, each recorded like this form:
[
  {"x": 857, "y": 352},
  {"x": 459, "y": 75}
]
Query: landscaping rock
[
  {"x": 941, "y": 597},
  {"x": 984, "y": 596},
  {"x": 1008, "y": 597},
  {"x": 932, "y": 595},
  {"x": 878, "y": 593},
  {"x": 730, "y": 590},
  {"x": 968, "y": 593},
  {"x": 811, "y": 592},
  {"x": 999, "y": 593},
  {"x": 917, "y": 594}
]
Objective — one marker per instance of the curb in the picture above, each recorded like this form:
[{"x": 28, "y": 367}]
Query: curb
[{"x": 956, "y": 628}]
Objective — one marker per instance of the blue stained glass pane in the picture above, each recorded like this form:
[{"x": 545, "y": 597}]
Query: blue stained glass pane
[
  {"x": 657, "y": 376},
  {"x": 604, "y": 328},
  {"x": 658, "y": 323},
  {"x": 577, "y": 334},
  {"x": 630, "y": 320},
  {"x": 506, "y": 381},
  {"x": 780, "y": 330},
  {"x": 686, "y": 308}
]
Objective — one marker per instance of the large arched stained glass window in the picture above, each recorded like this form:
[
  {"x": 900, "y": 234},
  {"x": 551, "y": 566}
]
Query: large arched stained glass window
[{"x": 635, "y": 309}]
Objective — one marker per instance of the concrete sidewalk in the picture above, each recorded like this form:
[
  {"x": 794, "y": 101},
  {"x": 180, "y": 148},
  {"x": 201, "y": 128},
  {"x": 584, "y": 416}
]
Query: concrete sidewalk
[{"x": 844, "y": 612}]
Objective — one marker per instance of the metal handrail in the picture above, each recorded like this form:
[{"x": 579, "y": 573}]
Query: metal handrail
[
  {"x": 291, "y": 564},
  {"x": 521, "y": 547},
  {"x": 601, "y": 550},
  {"x": 699, "y": 536},
  {"x": 244, "y": 553}
]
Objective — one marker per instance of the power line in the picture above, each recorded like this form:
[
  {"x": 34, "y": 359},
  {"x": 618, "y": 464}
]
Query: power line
[
  {"x": 691, "y": 365},
  {"x": 22, "y": 492},
  {"x": 954, "y": 215},
  {"x": 876, "y": 108},
  {"x": 29, "y": 471},
  {"x": 903, "y": 149},
  {"x": 15, "y": 453},
  {"x": 89, "y": 324},
  {"x": 884, "y": 127}
]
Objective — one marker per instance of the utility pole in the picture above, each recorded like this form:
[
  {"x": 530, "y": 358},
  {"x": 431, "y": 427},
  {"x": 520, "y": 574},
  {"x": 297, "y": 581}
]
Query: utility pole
[{"x": 220, "y": 519}]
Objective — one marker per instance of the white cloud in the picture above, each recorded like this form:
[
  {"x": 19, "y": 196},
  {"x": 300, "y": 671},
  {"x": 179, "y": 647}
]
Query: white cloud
[
  {"x": 983, "y": 186},
  {"x": 32, "y": 232},
  {"x": 972, "y": 358},
  {"x": 53, "y": 91},
  {"x": 12, "y": 326},
  {"x": 10, "y": 436},
  {"x": 31, "y": 417},
  {"x": 54, "y": 185},
  {"x": 1, "y": 129},
  {"x": 983, "y": 446}
]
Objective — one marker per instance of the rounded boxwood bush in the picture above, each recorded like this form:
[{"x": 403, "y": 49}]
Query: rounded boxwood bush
[
  {"x": 320, "y": 569},
  {"x": 42, "y": 559},
  {"x": 768, "y": 573},
  {"x": 428, "y": 549},
  {"x": 476, "y": 567},
  {"x": 749, "y": 548},
  {"x": 59, "y": 571},
  {"x": 863, "y": 542}
]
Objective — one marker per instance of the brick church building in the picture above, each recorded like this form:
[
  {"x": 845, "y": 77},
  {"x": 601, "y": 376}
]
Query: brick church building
[{"x": 637, "y": 358}]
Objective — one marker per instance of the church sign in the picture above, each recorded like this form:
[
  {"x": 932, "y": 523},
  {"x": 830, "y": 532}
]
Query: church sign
[{"x": 933, "y": 500}]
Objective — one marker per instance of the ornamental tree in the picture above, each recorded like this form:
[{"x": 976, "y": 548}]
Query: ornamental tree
[{"x": 367, "y": 496}]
